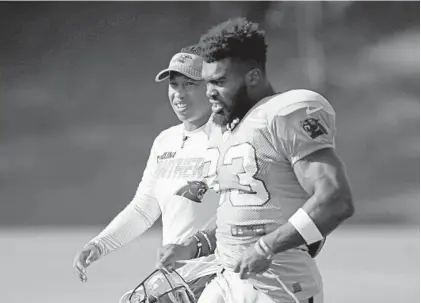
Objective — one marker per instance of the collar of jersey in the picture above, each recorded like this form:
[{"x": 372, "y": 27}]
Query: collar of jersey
[{"x": 192, "y": 132}]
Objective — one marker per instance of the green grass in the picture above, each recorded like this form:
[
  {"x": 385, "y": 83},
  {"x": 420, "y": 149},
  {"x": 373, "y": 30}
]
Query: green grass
[{"x": 361, "y": 265}]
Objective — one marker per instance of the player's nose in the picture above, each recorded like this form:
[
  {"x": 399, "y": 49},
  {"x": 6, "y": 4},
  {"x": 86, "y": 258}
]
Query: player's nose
[{"x": 211, "y": 92}]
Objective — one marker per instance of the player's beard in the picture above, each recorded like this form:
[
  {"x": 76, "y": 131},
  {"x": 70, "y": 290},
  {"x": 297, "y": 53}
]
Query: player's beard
[{"x": 241, "y": 104}]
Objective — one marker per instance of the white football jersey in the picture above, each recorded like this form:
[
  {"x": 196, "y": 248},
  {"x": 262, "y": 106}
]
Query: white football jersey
[
  {"x": 252, "y": 167},
  {"x": 172, "y": 186},
  {"x": 173, "y": 176}
]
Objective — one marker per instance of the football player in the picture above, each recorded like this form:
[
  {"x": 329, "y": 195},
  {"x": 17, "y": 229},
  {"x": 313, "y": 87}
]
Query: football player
[
  {"x": 272, "y": 157},
  {"x": 172, "y": 183}
]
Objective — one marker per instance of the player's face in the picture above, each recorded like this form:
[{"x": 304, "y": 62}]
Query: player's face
[
  {"x": 188, "y": 98},
  {"x": 226, "y": 89}
]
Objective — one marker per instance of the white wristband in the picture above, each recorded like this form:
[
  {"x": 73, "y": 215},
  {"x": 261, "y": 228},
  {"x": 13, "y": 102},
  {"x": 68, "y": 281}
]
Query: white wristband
[{"x": 305, "y": 226}]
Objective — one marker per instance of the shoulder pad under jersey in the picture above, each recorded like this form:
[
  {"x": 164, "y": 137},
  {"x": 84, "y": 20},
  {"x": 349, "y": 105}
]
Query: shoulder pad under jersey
[{"x": 290, "y": 101}]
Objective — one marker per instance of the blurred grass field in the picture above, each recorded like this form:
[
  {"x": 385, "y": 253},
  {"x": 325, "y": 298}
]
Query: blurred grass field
[{"x": 362, "y": 264}]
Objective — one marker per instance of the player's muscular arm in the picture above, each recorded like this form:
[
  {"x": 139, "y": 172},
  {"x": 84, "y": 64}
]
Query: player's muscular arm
[{"x": 322, "y": 174}]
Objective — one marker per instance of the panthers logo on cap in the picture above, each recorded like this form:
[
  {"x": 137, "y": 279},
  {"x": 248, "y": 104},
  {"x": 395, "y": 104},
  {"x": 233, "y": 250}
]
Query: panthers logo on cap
[
  {"x": 194, "y": 191},
  {"x": 313, "y": 127},
  {"x": 183, "y": 58}
]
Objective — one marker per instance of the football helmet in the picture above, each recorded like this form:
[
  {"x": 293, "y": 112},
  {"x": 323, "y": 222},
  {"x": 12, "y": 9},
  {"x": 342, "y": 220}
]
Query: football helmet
[{"x": 161, "y": 286}]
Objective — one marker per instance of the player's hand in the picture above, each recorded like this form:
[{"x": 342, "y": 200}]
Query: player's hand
[
  {"x": 169, "y": 254},
  {"x": 83, "y": 259},
  {"x": 251, "y": 263}
]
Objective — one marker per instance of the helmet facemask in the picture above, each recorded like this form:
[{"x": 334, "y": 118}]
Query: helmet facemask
[{"x": 160, "y": 286}]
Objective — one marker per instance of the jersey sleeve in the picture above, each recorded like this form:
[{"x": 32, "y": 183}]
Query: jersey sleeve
[
  {"x": 138, "y": 216},
  {"x": 304, "y": 130}
]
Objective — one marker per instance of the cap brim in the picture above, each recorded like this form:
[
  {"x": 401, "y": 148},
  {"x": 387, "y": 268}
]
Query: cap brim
[{"x": 164, "y": 74}]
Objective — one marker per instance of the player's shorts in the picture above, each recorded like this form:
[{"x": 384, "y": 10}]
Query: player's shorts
[
  {"x": 291, "y": 272},
  {"x": 227, "y": 287},
  {"x": 198, "y": 285}
]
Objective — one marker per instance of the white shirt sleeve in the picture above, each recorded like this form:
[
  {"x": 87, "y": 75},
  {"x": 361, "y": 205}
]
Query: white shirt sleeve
[
  {"x": 303, "y": 132},
  {"x": 139, "y": 214}
]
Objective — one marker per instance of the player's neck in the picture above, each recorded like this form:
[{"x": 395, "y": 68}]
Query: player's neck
[
  {"x": 193, "y": 125},
  {"x": 261, "y": 92}
]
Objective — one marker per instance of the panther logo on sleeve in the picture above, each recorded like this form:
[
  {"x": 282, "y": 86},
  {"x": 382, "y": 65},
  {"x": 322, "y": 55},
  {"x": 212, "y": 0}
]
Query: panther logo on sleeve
[
  {"x": 194, "y": 191},
  {"x": 313, "y": 127}
]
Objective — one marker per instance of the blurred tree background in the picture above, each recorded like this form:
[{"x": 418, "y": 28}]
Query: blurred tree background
[{"x": 80, "y": 108}]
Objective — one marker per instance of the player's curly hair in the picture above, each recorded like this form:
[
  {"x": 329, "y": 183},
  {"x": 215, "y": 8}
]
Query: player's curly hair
[
  {"x": 235, "y": 38},
  {"x": 191, "y": 49}
]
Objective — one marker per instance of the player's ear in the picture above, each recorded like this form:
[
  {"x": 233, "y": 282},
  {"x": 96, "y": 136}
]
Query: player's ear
[{"x": 253, "y": 77}]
